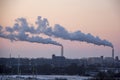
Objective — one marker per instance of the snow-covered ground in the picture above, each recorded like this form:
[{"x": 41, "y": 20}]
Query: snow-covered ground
[{"x": 47, "y": 77}]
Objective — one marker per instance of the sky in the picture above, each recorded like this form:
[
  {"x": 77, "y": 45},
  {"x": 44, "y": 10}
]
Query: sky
[{"x": 97, "y": 17}]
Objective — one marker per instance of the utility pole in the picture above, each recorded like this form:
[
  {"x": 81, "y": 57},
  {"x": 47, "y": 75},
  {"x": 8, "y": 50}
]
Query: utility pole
[{"x": 18, "y": 64}]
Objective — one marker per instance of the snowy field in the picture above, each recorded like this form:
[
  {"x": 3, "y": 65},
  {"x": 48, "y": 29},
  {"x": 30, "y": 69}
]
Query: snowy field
[{"x": 47, "y": 77}]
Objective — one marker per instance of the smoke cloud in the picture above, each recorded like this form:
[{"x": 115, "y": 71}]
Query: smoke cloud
[
  {"x": 60, "y": 32},
  {"x": 18, "y": 33},
  {"x": 22, "y": 27}
]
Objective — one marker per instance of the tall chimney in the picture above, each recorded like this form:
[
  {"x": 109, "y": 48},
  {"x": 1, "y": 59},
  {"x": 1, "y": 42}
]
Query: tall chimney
[
  {"x": 61, "y": 50},
  {"x": 113, "y": 53}
]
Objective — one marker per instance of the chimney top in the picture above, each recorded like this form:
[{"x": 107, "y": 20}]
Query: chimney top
[{"x": 61, "y": 50}]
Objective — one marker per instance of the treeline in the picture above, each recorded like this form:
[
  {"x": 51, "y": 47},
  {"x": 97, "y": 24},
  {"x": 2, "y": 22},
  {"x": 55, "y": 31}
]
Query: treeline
[
  {"x": 48, "y": 69},
  {"x": 45, "y": 69}
]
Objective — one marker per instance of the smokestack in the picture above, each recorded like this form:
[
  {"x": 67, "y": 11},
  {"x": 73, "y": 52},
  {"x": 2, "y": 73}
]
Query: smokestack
[
  {"x": 113, "y": 53},
  {"x": 62, "y": 51}
]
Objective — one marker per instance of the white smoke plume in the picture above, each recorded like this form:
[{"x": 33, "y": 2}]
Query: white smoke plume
[
  {"x": 58, "y": 31},
  {"x": 9, "y": 33}
]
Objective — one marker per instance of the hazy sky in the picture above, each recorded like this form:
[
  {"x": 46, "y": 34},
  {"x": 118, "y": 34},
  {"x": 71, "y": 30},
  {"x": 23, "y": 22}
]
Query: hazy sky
[{"x": 98, "y": 17}]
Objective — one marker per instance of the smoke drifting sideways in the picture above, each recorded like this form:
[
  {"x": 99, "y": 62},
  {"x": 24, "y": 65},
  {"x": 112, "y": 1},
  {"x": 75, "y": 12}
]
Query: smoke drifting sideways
[
  {"x": 21, "y": 26},
  {"x": 60, "y": 32},
  {"x": 18, "y": 33}
]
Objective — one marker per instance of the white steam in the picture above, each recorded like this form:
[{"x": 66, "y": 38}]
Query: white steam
[{"x": 22, "y": 27}]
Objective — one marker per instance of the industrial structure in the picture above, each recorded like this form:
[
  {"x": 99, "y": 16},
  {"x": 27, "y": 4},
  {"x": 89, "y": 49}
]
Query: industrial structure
[{"x": 113, "y": 53}]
